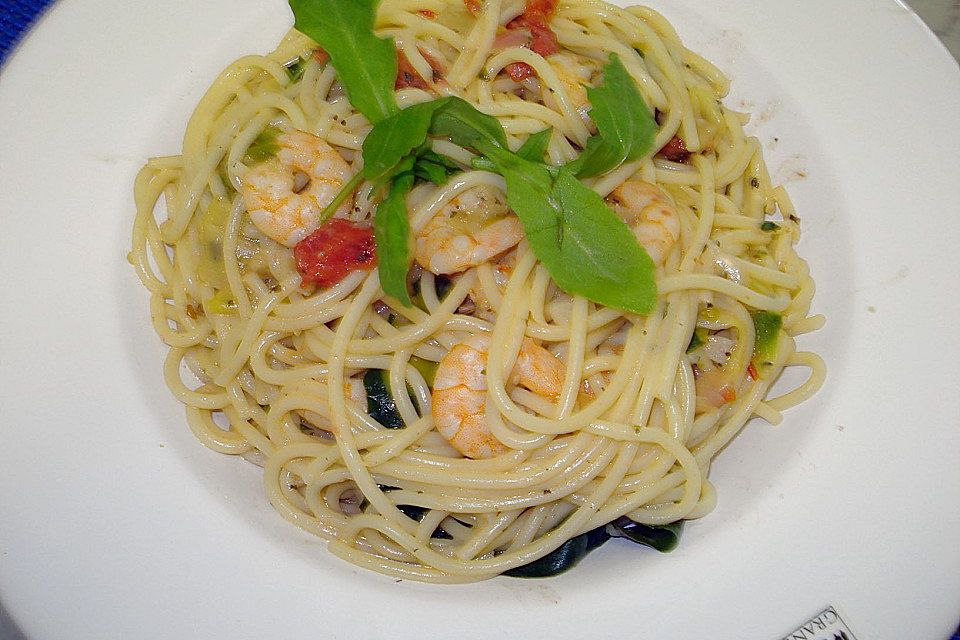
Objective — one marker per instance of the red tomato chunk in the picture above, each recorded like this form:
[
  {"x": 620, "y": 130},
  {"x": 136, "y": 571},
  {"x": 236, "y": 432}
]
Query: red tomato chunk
[
  {"x": 407, "y": 75},
  {"x": 519, "y": 71},
  {"x": 330, "y": 253},
  {"x": 675, "y": 150}
]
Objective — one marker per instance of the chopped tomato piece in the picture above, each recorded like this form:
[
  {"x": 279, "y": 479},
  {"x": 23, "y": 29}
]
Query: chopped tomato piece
[
  {"x": 320, "y": 55},
  {"x": 507, "y": 38},
  {"x": 337, "y": 248},
  {"x": 473, "y": 6},
  {"x": 545, "y": 8},
  {"x": 752, "y": 372},
  {"x": 728, "y": 393},
  {"x": 542, "y": 40},
  {"x": 675, "y": 150},
  {"x": 519, "y": 71},
  {"x": 407, "y": 76},
  {"x": 428, "y": 14}
]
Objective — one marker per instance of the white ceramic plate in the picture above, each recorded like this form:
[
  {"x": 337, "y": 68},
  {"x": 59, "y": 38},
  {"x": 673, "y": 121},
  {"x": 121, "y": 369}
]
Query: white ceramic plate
[{"x": 115, "y": 523}]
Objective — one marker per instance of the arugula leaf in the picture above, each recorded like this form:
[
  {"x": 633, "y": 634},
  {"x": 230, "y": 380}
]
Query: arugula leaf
[
  {"x": 433, "y": 167},
  {"x": 391, "y": 229},
  {"x": 625, "y": 126},
  {"x": 586, "y": 248},
  {"x": 396, "y": 137},
  {"x": 390, "y": 149},
  {"x": 466, "y": 125},
  {"x": 535, "y": 146},
  {"x": 366, "y": 65}
]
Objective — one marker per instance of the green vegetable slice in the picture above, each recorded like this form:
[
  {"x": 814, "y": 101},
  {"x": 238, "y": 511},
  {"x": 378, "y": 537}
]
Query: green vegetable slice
[
  {"x": 442, "y": 285},
  {"x": 767, "y": 327},
  {"x": 295, "y": 69},
  {"x": 380, "y": 403},
  {"x": 427, "y": 368},
  {"x": 222, "y": 302},
  {"x": 263, "y": 147},
  {"x": 563, "y": 557},
  {"x": 663, "y": 538},
  {"x": 417, "y": 513},
  {"x": 698, "y": 338}
]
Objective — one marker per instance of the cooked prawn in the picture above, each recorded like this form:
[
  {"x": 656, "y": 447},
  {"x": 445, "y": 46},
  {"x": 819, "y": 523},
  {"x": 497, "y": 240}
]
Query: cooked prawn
[
  {"x": 650, "y": 214},
  {"x": 286, "y": 194},
  {"x": 460, "y": 392},
  {"x": 471, "y": 229}
]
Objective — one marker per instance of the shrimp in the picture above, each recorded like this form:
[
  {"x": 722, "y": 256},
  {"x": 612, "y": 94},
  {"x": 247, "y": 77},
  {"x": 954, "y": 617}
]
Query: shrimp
[
  {"x": 460, "y": 392},
  {"x": 286, "y": 194},
  {"x": 650, "y": 214},
  {"x": 472, "y": 228}
]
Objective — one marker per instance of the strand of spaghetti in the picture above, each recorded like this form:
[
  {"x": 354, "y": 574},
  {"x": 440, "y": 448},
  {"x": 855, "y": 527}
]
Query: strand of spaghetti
[{"x": 694, "y": 282}]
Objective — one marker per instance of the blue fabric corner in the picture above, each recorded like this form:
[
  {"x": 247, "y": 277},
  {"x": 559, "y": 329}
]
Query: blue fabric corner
[{"x": 16, "y": 16}]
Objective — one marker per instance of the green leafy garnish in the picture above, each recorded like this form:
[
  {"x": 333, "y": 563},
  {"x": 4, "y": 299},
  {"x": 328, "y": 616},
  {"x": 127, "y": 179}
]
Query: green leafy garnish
[
  {"x": 263, "y": 147},
  {"x": 392, "y": 140},
  {"x": 586, "y": 248},
  {"x": 769, "y": 226},
  {"x": 767, "y": 327},
  {"x": 434, "y": 168},
  {"x": 532, "y": 149},
  {"x": 466, "y": 125},
  {"x": 535, "y": 146},
  {"x": 366, "y": 65},
  {"x": 391, "y": 230},
  {"x": 625, "y": 126}
]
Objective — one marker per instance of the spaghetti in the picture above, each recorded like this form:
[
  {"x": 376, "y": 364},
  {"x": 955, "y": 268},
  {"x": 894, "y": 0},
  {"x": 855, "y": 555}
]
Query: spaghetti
[{"x": 497, "y": 417}]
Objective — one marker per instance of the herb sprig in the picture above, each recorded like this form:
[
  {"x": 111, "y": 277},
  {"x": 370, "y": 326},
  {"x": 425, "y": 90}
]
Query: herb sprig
[
  {"x": 625, "y": 126},
  {"x": 366, "y": 65},
  {"x": 585, "y": 247}
]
